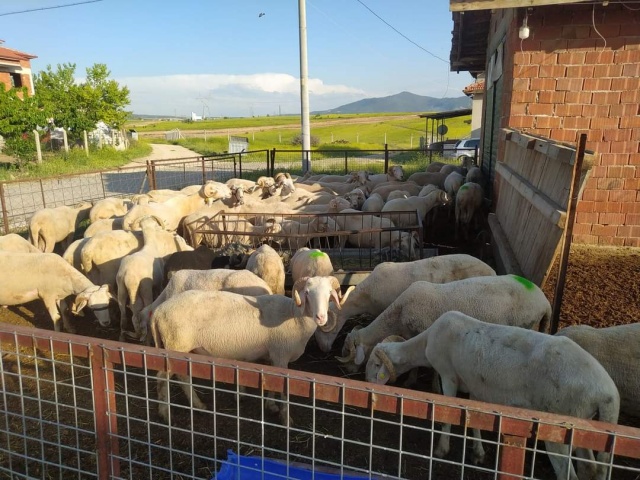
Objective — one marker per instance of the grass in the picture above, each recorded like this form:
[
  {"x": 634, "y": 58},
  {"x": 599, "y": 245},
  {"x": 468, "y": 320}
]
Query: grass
[{"x": 76, "y": 161}]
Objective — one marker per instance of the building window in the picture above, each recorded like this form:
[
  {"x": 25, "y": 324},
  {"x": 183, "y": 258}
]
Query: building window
[{"x": 16, "y": 80}]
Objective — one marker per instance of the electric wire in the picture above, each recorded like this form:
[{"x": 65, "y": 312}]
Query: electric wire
[{"x": 49, "y": 8}]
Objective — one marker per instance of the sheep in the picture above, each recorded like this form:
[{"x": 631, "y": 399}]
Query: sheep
[
  {"x": 243, "y": 328},
  {"x": 494, "y": 299},
  {"x": 216, "y": 234},
  {"x": 284, "y": 182},
  {"x": 101, "y": 255},
  {"x": 173, "y": 210},
  {"x": 412, "y": 204},
  {"x": 248, "y": 185},
  {"x": 395, "y": 173},
  {"x": 475, "y": 175},
  {"x": 266, "y": 187},
  {"x": 72, "y": 253},
  {"x": 453, "y": 168},
  {"x": 427, "y": 189},
  {"x": 469, "y": 202},
  {"x": 398, "y": 194},
  {"x": 242, "y": 282},
  {"x": 513, "y": 366},
  {"x": 267, "y": 264},
  {"x": 103, "y": 225},
  {"x": 384, "y": 190},
  {"x": 140, "y": 274},
  {"x": 49, "y": 226},
  {"x": 452, "y": 183},
  {"x": 12, "y": 242},
  {"x": 374, "y": 203},
  {"x": 424, "y": 178},
  {"x": 435, "y": 167},
  {"x": 356, "y": 198},
  {"x": 201, "y": 258},
  {"x": 388, "y": 280},
  {"x": 310, "y": 263},
  {"x": 47, "y": 276},
  {"x": 108, "y": 208},
  {"x": 618, "y": 351}
]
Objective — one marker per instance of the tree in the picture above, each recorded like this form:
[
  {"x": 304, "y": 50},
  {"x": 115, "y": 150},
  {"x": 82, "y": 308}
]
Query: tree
[
  {"x": 18, "y": 118},
  {"x": 79, "y": 106}
]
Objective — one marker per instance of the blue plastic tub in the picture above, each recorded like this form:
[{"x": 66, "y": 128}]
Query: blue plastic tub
[{"x": 239, "y": 467}]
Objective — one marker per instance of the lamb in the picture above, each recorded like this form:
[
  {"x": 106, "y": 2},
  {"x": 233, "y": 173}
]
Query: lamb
[
  {"x": 424, "y": 178},
  {"x": 12, "y": 242},
  {"x": 242, "y": 282},
  {"x": 412, "y": 204},
  {"x": 267, "y": 264},
  {"x": 49, "y": 226},
  {"x": 140, "y": 274},
  {"x": 310, "y": 263},
  {"x": 374, "y": 203},
  {"x": 47, "y": 276},
  {"x": 103, "y": 225},
  {"x": 469, "y": 202},
  {"x": 618, "y": 351},
  {"x": 388, "y": 280},
  {"x": 108, "y": 208},
  {"x": 173, "y": 210},
  {"x": 238, "y": 327},
  {"x": 493, "y": 299},
  {"x": 513, "y": 366}
]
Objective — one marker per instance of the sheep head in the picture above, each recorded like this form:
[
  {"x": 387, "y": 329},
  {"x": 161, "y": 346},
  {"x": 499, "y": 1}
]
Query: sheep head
[
  {"x": 314, "y": 294},
  {"x": 351, "y": 346},
  {"x": 212, "y": 190},
  {"x": 395, "y": 173},
  {"x": 237, "y": 191},
  {"x": 380, "y": 368},
  {"x": 97, "y": 298}
]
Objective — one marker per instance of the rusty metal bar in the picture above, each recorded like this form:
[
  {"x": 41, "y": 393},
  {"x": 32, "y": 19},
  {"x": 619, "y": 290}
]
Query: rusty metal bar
[
  {"x": 5, "y": 216},
  {"x": 386, "y": 157},
  {"x": 204, "y": 172},
  {"x": 44, "y": 203},
  {"x": 511, "y": 457}
]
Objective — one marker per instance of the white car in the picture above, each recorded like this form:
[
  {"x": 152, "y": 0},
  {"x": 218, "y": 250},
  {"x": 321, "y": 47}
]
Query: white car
[{"x": 466, "y": 148}]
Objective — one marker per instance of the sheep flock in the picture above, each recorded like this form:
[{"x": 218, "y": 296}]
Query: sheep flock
[{"x": 163, "y": 262}]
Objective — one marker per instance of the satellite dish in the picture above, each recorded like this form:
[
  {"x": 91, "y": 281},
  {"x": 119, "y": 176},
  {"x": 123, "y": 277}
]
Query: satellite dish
[{"x": 442, "y": 129}]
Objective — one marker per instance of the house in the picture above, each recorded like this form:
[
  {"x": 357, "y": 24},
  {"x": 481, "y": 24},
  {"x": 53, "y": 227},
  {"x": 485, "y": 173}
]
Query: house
[
  {"x": 556, "y": 69},
  {"x": 476, "y": 92},
  {"x": 15, "y": 69}
]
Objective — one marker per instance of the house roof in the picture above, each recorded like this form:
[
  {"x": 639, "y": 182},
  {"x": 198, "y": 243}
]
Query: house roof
[
  {"x": 11, "y": 55},
  {"x": 475, "y": 87},
  {"x": 467, "y": 5},
  {"x": 469, "y": 41},
  {"x": 449, "y": 114}
]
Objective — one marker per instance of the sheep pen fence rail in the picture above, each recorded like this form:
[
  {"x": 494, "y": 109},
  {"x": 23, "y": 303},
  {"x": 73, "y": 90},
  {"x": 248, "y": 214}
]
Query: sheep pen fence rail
[
  {"x": 19, "y": 199},
  {"x": 79, "y": 407}
]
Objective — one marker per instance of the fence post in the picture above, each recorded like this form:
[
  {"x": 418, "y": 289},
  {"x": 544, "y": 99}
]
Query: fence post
[
  {"x": 386, "y": 158},
  {"x": 5, "y": 216},
  {"x": 44, "y": 203},
  {"x": 346, "y": 163},
  {"x": 151, "y": 174},
  {"x": 65, "y": 140},
  {"x": 273, "y": 161},
  {"x": 511, "y": 457},
  {"x": 204, "y": 173},
  {"x": 38, "y": 149},
  {"x": 86, "y": 143}
]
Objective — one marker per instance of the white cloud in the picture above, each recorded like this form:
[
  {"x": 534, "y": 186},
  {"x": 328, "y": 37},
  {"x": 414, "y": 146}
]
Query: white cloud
[{"x": 232, "y": 95}]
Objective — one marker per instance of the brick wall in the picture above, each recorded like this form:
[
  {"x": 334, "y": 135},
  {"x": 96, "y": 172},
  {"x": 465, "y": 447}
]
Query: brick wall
[
  {"x": 566, "y": 81},
  {"x": 26, "y": 79}
]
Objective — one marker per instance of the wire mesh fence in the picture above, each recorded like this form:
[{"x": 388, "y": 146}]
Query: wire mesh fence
[{"x": 77, "y": 407}]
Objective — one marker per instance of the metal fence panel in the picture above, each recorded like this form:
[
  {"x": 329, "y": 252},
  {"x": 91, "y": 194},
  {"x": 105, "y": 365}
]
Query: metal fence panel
[{"x": 76, "y": 407}]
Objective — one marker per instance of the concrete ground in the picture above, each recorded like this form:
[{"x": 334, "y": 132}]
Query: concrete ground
[{"x": 163, "y": 151}]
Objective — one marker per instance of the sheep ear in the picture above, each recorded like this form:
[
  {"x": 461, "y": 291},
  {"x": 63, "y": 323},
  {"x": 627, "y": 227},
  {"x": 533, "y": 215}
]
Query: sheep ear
[
  {"x": 359, "y": 360},
  {"x": 79, "y": 303},
  {"x": 383, "y": 375}
]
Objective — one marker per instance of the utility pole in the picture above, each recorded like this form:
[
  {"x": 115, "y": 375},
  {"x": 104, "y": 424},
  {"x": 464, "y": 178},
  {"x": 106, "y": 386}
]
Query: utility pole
[{"x": 304, "y": 90}]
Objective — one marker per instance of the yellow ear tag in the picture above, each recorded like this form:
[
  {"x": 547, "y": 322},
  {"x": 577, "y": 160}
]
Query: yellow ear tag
[{"x": 381, "y": 375}]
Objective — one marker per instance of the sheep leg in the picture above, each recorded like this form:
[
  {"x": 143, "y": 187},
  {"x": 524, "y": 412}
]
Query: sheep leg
[
  {"x": 589, "y": 469},
  {"x": 163, "y": 395},
  {"x": 190, "y": 392},
  {"x": 51, "y": 304},
  {"x": 123, "y": 295},
  {"x": 63, "y": 308},
  {"x": 449, "y": 388},
  {"x": 559, "y": 457}
]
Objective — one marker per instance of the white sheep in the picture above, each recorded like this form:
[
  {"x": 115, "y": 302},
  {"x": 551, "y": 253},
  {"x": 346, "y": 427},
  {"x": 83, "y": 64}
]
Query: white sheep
[
  {"x": 425, "y": 178},
  {"x": 374, "y": 203},
  {"x": 140, "y": 274},
  {"x": 12, "y": 242},
  {"x": 435, "y": 167},
  {"x": 267, "y": 264},
  {"x": 398, "y": 194},
  {"x": 49, "y": 226},
  {"x": 310, "y": 263},
  {"x": 422, "y": 205},
  {"x": 103, "y": 225},
  {"x": 72, "y": 253},
  {"x": 395, "y": 173},
  {"x": 475, "y": 175},
  {"x": 453, "y": 182},
  {"x": 48, "y": 277},
  {"x": 356, "y": 198},
  {"x": 242, "y": 282},
  {"x": 618, "y": 351},
  {"x": 526, "y": 369},
  {"x": 173, "y": 210},
  {"x": 409, "y": 186},
  {"x": 243, "y": 328},
  {"x": 496, "y": 299},
  {"x": 427, "y": 189},
  {"x": 469, "y": 202},
  {"x": 100, "y": 256},
  {"x": 108, "y": 208},
  {"x": 388, "y": 280}
]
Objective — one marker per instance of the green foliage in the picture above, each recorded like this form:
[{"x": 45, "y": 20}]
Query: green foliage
[
  {"x": 18, "y": 115},
  {"x": 78, "y": 107},
  {"x": 297, "y": 140},
  {"x": 22, "y": 148}
]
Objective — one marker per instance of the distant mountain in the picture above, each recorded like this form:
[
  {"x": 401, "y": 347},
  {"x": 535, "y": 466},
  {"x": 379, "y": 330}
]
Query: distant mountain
[{"x": 403, "y": 102}]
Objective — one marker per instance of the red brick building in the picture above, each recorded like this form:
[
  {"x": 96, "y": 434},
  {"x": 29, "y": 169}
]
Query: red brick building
[
  {"x": 577, "y": 71},
  {"x": 15, "y": 69}
]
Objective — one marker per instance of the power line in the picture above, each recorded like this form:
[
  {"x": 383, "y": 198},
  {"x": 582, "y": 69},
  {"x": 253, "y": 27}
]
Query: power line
[
  {"x": 402, "y": 34},
  {"x": 49, "y": 8}
]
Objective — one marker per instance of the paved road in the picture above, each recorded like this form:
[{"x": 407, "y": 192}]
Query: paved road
[{"x": 163, "y": 151}]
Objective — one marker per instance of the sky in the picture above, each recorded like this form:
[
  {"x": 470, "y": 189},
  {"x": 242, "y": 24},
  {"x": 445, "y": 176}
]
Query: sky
[{"x": 242, "y": 57}]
